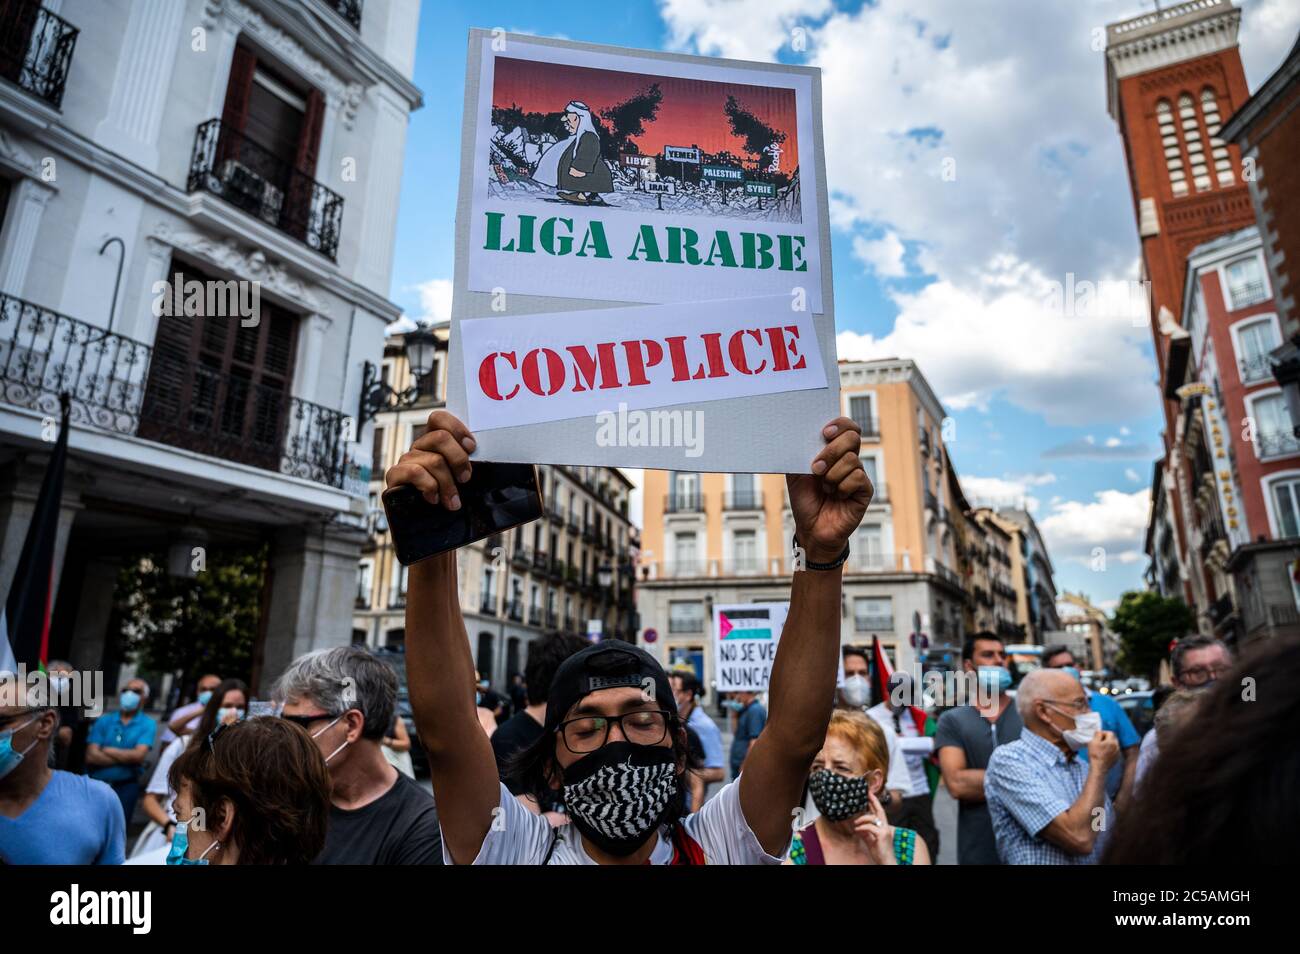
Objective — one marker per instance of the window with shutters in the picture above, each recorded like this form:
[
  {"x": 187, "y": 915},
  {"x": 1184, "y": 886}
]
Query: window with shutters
[
  {"x": 1218, "y": 148},
  {"x": 1197, "y": 161},
  {"x": 267, "y": 150},
  {"x": 1171, "y": 144},
  {"x": 219, "y": 387}
]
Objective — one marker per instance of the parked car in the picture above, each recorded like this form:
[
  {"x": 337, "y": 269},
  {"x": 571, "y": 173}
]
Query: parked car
[
  {"x": 1139, "y": 708},
  {"x": 396, "y": 658}
]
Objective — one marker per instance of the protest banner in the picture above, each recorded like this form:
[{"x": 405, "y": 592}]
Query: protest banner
[
  {"x": 747, "y": 635},
  {"x": 578, "y": 227}
]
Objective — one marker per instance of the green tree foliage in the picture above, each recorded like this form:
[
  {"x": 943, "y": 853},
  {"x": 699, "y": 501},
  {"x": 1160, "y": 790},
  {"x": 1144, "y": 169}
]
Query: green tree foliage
[
  {"x": 757, "y": 134},
  {"x": 192, "y": 626},
  {"x": 627, "y": 120},
  {"x": 1146, "y": 624}
]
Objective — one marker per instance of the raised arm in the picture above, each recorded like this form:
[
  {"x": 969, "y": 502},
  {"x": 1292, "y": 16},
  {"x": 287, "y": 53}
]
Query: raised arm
[
  {"x": 828, "y": 506},
  {"x": 440, "y": 670}
]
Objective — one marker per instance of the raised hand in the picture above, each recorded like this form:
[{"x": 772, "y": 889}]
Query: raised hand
[
  {"x": 829, "y": 503},
  {"x": 437, "y": 461}
]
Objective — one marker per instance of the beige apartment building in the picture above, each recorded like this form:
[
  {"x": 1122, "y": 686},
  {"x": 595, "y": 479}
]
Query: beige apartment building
[
  {"x": 573, "y": 570},
  {"x": 715, "y": 539},
  {"x": 994, "y": 556}
]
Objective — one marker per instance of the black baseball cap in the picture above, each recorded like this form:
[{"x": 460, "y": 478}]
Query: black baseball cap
[{"x": 605, "y": 665}]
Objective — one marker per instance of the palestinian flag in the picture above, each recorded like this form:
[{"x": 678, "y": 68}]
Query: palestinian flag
[
  {"x": 882, "y": 669},
  {"x": 25, "y": 617}
]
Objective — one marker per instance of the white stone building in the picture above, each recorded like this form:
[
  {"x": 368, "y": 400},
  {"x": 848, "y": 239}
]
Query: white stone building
[{"x": 259, "y": 141}]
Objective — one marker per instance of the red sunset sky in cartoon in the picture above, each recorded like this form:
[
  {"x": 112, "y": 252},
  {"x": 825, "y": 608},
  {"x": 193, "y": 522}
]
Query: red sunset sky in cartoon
[{"x": 691, "y": 111}]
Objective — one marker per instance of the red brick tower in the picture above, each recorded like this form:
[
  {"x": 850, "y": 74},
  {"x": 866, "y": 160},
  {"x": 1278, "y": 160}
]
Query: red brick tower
[{"x": 1173, "y": 76}]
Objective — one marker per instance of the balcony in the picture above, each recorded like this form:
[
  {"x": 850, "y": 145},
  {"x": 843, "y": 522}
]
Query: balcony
[
  {"x": 1245, "y": 294},
  {"x": 744, "y": 565},
  {"x": 947, "y": 574},
  {"x": 870, "y": 425},
  {"x": 879, "y": 624},
  {"x": 117, "y": 385},
  {"x": 1276, "y": 444},
  {"x": 871, "y": 561},
  {"x": 522, "y": 557},
  {"x": 1256, "y": 368},
  {"x": 231, "y": 166},
  {"x": 488, "y": 604},
  {"x": 743, "y": 500},
  {"x": 535, "y": 616},
  {"x": 683, "y": 503},
  {"x": 683, "y": 568},
  {"x": 36, "y": 49},
  {"x": 541, "y": 563},
  {"x": 552, "y": 620},
  {"x": 574, "y": 526},
  {"x": 349, "y": 10},
  {"x": 515, "y": 610}
]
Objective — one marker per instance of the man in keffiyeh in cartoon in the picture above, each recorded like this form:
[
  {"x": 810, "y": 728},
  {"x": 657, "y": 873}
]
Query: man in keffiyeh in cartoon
[{"x": 573, "y": 166}]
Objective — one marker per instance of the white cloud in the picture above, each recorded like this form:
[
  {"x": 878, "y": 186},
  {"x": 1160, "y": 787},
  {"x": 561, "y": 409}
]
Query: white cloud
[
  {"x": 435, "y": 300},
  {"x": 1113, "y": 520},
  {"x": 1005, "y": 339},
  {"x": 1017, "y": 109},
  {"x": 1132, "y": 475},
  {"x": 998, "y": 492},
  {"x": 884, "y": 255}
]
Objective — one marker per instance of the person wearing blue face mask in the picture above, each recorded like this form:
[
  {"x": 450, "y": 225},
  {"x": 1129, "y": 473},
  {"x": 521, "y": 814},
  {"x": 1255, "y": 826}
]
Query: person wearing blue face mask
[
  {"x": 185, "y": 720},
  {"x": 254, "y": 792},
  {"x": 1120, "y": 780},
  {"x": 120, "y": 742},
  {"x": 48, "y": 816},
  {"x": 965, "y": 739}
]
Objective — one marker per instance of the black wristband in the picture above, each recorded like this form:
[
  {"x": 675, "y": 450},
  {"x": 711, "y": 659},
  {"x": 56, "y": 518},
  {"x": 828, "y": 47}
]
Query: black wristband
[{"x": 809, "y": 565}]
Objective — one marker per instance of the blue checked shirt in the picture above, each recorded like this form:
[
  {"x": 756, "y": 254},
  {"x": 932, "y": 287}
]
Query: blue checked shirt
[{"x": 1029, "y": 782}]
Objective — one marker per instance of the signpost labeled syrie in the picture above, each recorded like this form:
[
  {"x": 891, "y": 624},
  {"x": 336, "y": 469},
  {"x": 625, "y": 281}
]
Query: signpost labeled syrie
[{"x": 760, "y": 189}]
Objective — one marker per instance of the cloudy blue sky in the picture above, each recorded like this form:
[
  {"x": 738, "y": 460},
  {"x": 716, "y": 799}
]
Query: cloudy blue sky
[{"x": 1053, "y": 406}]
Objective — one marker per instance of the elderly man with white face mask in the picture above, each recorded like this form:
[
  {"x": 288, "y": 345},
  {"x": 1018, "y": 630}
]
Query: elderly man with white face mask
[{"x": 1049, "y": 807}]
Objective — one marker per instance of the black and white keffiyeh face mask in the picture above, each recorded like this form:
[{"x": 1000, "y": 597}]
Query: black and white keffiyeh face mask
[
  {"x": 839, "y": 796},
  {"x": 621, "y": 793}
]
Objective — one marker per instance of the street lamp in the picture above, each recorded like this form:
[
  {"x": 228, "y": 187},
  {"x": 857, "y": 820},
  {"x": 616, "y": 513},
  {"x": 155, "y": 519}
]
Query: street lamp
[
  {"x": 605, "y": 575},
  {"x": 378, "y": 395}
]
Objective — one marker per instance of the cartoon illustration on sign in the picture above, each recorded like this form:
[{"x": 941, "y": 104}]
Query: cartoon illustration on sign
[
  {"x": 573, "y": 166},
  {"x": 623, "y": 141}
]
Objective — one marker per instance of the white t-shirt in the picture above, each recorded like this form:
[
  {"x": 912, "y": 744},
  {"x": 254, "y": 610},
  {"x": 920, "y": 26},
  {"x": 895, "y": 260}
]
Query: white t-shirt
[
  {"x": 518, "y": 837},
  {"x": 158, "y": 781},
  {"x": 910, "y": 766}
]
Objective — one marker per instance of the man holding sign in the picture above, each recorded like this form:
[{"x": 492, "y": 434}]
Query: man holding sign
[{"x": 613, "y": 744}]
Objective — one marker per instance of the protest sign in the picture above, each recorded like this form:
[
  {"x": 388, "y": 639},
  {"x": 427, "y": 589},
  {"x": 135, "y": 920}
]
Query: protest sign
[
  {"x": 578, "y": 226},
  {"x": 747, "y": 636}
]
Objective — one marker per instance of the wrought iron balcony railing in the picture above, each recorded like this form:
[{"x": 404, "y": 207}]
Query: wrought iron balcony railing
[
  {"x": 228, "y": 164},
  {"x": 113, "y": 385},
  {"x": 1277, "y": 444},
  {"x": 36, "y": 49},
  {"x": 349, "y": 10},
  {"x": 743, "y": 500},
  {"x": 863, "y": 624},
  {"x": 1258, "y": 367},
  {"x": 683, "y": 503}
]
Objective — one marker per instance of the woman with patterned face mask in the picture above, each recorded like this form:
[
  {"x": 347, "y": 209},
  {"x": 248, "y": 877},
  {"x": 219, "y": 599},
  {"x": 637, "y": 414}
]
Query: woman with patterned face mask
[{"x": 851, "y": 828}]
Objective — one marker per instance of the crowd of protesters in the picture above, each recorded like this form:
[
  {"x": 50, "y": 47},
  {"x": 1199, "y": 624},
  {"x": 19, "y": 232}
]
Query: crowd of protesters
[{"x": 596, "y": 754}]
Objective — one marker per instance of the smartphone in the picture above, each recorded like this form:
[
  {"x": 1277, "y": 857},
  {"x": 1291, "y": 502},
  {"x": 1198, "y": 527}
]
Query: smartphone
[{"x": 495, "y": 498}]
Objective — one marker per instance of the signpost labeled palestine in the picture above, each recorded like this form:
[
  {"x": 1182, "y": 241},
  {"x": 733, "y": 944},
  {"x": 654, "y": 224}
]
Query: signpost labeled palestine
[{"x": 591, "y": 286}]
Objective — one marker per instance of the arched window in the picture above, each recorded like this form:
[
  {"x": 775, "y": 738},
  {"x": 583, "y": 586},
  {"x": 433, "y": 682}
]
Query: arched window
[
  {"x": 1170, "y": 143},
  {"x": 1218, "y": 148},
  {"x": 1196, "y": 157}
]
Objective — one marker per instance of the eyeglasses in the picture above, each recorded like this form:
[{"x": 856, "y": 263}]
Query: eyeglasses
[
  {"x": 1074, "y": 706},
  {"x": 1202, "y": 674},
  {"x": 212, "y": 736},
  {"x": 588, "y": 733},
  {"x": 305, "y": 721}
]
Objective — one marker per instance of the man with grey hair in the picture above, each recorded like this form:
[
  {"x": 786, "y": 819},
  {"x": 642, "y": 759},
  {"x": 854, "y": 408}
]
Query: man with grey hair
[
  {"x": 1196, "y": 663},
  {"x": 346, "y": 699},
  {"x": 49, "y": 817},
  {"x": 1048, "y": 806}
]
